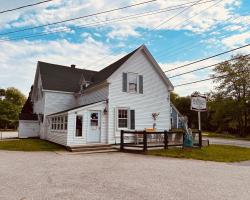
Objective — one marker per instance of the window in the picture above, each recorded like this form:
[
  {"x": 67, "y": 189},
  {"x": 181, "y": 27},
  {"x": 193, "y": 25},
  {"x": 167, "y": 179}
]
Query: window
[
  {"x": 132, "y": 82},
  {"x": 65, "y": 123},
  {"x": 62, "y": 123},
  {"x": 94, "y": 120},
  {"x": 59, "y": 123},
  {"x": 122, "y": 118},
  {"x": 78, "y": 126}
]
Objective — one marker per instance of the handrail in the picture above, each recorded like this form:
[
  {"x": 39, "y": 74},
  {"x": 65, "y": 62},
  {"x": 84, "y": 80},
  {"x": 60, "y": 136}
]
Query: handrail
[{"x": 165, "y": 141}]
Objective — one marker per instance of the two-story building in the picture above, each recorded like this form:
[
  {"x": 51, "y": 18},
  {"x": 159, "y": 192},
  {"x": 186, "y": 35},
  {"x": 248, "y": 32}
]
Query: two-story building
[{"x": 77, "y": 106}]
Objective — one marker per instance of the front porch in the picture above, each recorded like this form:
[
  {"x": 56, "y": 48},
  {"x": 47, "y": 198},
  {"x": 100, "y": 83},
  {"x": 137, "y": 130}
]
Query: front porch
[{"x": 143, "y": 140}]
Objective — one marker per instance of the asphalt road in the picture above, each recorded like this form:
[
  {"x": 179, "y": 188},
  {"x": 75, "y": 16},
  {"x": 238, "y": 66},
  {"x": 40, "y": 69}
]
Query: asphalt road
[
  {"x": 241, "y": 143},
  {"x": 118, "y": 176}
]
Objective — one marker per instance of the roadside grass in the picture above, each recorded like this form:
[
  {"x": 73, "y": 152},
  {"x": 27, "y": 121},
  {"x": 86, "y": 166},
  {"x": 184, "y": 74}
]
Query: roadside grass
[
  {"x": 218, "y": 153},
  {"x": 29, "y": 145},
  {"x": 224, "y": 136}
]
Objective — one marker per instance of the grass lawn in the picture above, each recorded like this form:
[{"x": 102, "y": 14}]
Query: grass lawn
[
  {"x": 224, "y": 136},
  {"x": 29, "y": 145},
  {"x": 218, "y": 153}
]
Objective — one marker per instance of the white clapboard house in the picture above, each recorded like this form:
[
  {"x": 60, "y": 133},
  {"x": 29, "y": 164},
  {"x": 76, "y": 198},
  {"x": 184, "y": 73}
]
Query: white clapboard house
[{"x": 73, "y": 106}]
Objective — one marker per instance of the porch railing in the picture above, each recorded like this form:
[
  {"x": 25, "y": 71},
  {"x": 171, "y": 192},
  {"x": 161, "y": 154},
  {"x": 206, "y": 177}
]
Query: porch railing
[{"x": 143, "y": 140}]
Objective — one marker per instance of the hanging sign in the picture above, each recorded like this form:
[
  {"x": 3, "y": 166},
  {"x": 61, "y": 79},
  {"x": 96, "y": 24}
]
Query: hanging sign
[{"x": 198, "y": 103}]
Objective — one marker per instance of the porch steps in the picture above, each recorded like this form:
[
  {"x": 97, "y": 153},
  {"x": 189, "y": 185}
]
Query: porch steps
[{"x": 95, "y": 148}]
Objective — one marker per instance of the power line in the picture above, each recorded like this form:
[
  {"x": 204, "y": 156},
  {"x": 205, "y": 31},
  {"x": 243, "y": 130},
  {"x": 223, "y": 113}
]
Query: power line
[
  {"x": 169, "y": 19},
  {"x": 81, "y": 17},
  {"x": 104, "y": 22},
  {"x": 202, "y": 80},
  {"x": 225, "y": 52},
  {"x": 188, "y": 72},
  {"x": 25, "y": 6},
  {"x": 179, "y": 13}
]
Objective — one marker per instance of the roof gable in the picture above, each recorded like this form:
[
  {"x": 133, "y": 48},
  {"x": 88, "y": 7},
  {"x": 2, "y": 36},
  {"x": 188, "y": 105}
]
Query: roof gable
[
  {"x": 109, "y": 70},
  {"x": 154, "y": 64}
]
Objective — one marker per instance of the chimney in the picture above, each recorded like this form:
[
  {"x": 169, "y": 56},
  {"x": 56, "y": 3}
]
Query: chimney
[{"x": 73, "y": 66}]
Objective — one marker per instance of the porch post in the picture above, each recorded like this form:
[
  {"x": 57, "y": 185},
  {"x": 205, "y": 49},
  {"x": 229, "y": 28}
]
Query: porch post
[
  {"x": 145, "y": 142},
  {"x": 165, "y": 139},
  {"x": 122, "y": 141}
]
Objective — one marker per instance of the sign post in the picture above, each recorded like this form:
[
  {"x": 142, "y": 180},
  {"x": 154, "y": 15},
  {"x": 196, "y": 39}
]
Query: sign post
[
  {"x": 199, "y": 120},
  {"x": 199, "y": 104}
]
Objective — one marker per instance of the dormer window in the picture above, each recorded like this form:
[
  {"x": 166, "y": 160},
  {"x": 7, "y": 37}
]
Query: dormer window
[
  {"x": 84, "y": 85},
  {"x": 132, "y": 82}
]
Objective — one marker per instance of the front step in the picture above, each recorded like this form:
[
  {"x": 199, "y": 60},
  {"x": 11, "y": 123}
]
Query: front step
[{"x": 92, "y": 148}]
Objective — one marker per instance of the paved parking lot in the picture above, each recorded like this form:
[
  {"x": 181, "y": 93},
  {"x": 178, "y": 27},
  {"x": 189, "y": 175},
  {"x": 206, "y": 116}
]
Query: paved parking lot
[{"x": 49, "y": 175}]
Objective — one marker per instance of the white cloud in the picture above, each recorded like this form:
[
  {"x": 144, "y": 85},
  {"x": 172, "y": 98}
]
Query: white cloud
[
  {"x": 236, "y": 40},
  {"x": 18, "y": 59},
  {"x": 64, "y": 9}
]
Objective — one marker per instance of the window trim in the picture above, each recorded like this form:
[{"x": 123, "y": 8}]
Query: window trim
[
  {"x": 137, "y": 83},
  {"x": 117, "y": 118}
]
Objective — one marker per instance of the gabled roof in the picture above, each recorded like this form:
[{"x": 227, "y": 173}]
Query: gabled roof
[
  {"x": 62, "y": 78},
  {"x": 67, "y": 79}
]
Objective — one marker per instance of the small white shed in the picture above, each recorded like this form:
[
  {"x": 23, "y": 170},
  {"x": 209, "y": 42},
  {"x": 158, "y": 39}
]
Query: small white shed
[{"x": 28, "y": 128}]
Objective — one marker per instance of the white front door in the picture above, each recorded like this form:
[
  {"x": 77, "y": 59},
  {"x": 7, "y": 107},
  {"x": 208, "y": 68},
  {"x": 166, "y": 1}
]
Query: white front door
[{"x": 94, "y": 130}]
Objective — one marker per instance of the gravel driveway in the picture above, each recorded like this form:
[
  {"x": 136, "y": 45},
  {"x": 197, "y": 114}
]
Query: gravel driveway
[{"x": 114, "y": 176}]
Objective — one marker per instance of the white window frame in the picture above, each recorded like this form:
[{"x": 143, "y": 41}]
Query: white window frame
[
  {"x": 117, "y": 118},
  {"x": 137, "y": 83}
]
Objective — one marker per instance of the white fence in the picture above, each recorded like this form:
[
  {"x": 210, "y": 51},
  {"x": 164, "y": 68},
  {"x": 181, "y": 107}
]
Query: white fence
[{"x": 8, "y": 135}]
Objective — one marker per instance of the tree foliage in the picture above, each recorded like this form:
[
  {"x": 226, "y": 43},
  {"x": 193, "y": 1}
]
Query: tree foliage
[
  {"x": 11, "y": 103},
  {"x": 228, "y": 107}
]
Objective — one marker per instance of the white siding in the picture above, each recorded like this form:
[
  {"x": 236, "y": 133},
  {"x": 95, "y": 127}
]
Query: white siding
[
  {"x": 153, "y": 100},
  {"x": 57, "y": 137},
  {"x": 39, "y": 100},
  {"x": 72, "y": 139},
  {"x": 58, "y": 101},
  {"x": 94, "y": 96},
  {"x": 28, "y": 128}
]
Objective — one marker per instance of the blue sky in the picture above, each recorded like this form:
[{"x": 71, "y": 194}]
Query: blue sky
[{"x": 202, "y": 30}]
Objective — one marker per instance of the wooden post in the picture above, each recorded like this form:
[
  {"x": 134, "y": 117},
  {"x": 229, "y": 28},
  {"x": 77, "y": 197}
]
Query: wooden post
[
  {"x": 200, "y": 139},
  {"x": 165, "y": 140},
  {"x": 183, "y": 138},
  {"x": 122, "y": 140},
  {"x": 145, "y": 142}
]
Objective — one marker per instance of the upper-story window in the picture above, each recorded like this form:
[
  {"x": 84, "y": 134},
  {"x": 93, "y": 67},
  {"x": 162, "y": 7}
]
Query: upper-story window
[{"x": 132, "y": 82}]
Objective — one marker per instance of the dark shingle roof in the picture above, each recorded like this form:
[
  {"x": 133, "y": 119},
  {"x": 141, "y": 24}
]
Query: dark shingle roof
[{"x": 63, "y": 78}]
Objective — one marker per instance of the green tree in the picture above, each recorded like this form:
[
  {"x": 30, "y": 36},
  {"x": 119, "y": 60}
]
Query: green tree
[
  {"x": 10, "y": 107},
  {"x": 233, "y": 87}
]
